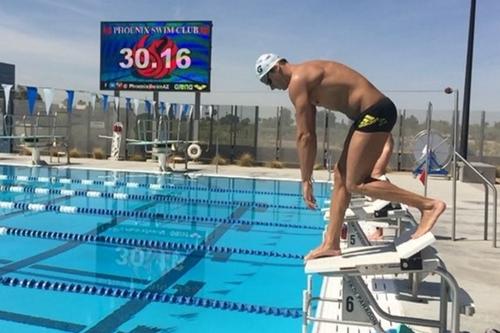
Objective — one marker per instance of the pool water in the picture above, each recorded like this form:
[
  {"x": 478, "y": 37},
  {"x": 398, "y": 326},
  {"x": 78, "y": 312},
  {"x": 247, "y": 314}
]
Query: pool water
[{"x": 103, "y": 251}]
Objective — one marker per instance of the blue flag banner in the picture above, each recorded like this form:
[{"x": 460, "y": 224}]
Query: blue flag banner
[
  {"x": 186, "y": 112},
  {"x": 162, "y": 107},
  {"x": 71, "y": 97},
  {"x": 105, "y": 103},
  {"x": 147, "y": 104},
  {"x": 128, "y": 104},
  {"x": 173, "y": 111},
  {"x": 32, "y": 95}
]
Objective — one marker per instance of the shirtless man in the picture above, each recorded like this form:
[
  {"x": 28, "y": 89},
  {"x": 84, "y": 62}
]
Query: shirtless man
[{"x": 337, "y": 87}]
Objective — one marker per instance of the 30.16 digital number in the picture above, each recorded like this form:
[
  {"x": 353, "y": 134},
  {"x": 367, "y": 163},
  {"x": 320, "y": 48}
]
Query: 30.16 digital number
[{"x": 141, "y": 58}]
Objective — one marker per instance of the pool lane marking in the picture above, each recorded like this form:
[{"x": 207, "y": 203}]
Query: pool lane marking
[
  {"x": 60, "y": 249},
  {"x": 64, "y": 247},
  {"x": 114, "y": 320},
  {"x": 251, "y": 308},
  {"x": 12, "y": 266},
  {"x": 47, "y": 277},
  {"x": 149, "y": 294},
  {"x": 82, "y": 273},
  {"x": 41, "y": 322}
]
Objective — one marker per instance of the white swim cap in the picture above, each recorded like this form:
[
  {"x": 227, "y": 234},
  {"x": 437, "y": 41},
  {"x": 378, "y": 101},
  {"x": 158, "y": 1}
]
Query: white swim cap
[{"x": 264, "y": 64}]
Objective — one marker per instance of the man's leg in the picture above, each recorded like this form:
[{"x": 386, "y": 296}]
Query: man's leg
[
  {"x": 363, "y": 152},
  {"x": 380, "y": 167},
  {"x": 379, "y": 170},
  {"x": 340, "y": 199}
]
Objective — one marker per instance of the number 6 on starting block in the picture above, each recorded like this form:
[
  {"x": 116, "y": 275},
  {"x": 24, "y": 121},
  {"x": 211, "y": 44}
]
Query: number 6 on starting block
[{"x": 354, "y": 308}]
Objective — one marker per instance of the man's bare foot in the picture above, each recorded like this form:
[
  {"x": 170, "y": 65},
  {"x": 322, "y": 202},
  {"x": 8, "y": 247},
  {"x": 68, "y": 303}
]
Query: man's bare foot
[
  {"x": 378, "y": 234},
  {"x": 321, "y": 252},
  {"x": 429, "y": 218}
]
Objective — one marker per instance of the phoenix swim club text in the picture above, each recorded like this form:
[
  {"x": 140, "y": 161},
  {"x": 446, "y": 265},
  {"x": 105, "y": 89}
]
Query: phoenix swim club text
[{"x": 155, "y": 30}]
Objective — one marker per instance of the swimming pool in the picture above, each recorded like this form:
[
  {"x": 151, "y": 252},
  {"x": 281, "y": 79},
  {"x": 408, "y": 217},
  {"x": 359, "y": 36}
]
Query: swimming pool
[{"x": 103, "y": 251}]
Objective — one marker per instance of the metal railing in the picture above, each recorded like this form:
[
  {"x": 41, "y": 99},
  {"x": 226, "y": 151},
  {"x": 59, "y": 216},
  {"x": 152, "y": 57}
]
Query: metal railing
[{"x": 487, "y": 184}]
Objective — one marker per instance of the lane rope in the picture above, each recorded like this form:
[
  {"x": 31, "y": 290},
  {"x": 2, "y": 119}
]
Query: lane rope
[
  {"x": 55, "y": 180},
  {"x": 146, "y": 215},
  {"x": 141, "y": 243},
  {"x": 140, "y": 197},
  {"x": 130, "y": 293}
]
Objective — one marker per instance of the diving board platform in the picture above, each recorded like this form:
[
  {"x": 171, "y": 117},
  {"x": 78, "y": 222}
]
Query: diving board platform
[
  {"x": 31, "y": 138},
  {"x": 36, "y": 133},
  {"x": 36, "y": 143}
]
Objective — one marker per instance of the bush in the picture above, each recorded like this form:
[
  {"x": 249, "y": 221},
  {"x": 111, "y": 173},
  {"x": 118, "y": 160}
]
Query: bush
[
  {"x": 74, "y": 153},
  {"x": 138, "y": 157},
  {"x": 246, "y": 160},
  {"x": 98, "y": 154},
  {"x": 318, "y": 166},
  {"x": 275, "y": 164},
  {"x": 25, "y": 151},
  {"x": 221, "y": 160}
]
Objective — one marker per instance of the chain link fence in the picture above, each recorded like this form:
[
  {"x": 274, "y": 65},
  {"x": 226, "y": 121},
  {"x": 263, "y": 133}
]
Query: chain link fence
[{"x": 265, "y": 133}]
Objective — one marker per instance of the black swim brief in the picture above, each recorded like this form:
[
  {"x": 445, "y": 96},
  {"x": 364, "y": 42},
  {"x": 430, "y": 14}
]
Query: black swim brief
[{"x": 380, "y": 117}]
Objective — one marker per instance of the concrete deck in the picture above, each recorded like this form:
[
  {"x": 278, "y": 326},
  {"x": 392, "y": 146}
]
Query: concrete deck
[{"x": 472, "y": 260}]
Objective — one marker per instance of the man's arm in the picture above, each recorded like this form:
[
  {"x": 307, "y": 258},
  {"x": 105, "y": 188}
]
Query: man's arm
[{"x": 305, "y": 115}]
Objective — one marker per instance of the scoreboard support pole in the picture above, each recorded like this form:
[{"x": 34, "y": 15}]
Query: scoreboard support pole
[
  {"x": 156, "y": 116},
  {"x": 197, "y": 113}
]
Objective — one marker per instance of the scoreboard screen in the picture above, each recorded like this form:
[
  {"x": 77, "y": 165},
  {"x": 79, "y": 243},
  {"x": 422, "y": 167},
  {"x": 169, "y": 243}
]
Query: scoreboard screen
[{"x": 148, "y": 56}]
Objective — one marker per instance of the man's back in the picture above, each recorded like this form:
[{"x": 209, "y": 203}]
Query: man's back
[{"x": 335, "y": 86}]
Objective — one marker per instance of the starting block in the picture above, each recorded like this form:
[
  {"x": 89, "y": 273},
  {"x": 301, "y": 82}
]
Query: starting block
[
  {"x": 372, "y": 259},
  {"x": 346, "y": 303},
  {"x": 379, "y": 213},
  {"x": 376, "y": 210},
  {"x": 358, "y": 305}
]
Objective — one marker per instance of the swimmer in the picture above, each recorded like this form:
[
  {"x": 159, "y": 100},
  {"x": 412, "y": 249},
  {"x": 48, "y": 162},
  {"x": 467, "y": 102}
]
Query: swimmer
[{"x": 335, "y": 86}]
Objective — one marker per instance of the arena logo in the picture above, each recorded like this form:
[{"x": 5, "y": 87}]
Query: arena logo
[{"x": 183, "y": 87}]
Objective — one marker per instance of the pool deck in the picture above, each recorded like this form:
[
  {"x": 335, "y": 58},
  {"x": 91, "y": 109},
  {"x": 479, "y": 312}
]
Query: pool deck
[{"x": 473, "y": 261}]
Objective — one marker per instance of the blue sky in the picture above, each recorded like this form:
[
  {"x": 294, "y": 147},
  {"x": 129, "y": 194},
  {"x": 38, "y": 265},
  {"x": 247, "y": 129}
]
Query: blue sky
[{"x": 396, "y": 44}]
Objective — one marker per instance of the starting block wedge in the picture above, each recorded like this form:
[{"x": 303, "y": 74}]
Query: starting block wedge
[
  {"x": 367, "y": 257},
  {"x": 406, "y": 246}
]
